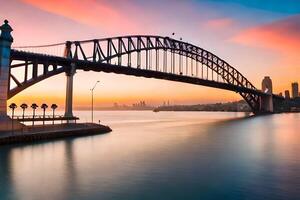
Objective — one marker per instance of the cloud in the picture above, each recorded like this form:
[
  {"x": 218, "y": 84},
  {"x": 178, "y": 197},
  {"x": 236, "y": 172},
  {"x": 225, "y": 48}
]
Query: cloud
[
  {"x": 90, "y": 12},
  {"x": 281, "y": 36},
  {"x": 123, "y": 16},
  {"x": 220, "y": 23}
]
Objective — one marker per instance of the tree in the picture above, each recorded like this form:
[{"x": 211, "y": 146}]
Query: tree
[
  {"x": 53, "y": 107},
  {"x": 44, "y": 107},
  {"x": 13, "y": 106},
  {"x": 34, "y": 106},
  {"x": 24, "y": 106}
]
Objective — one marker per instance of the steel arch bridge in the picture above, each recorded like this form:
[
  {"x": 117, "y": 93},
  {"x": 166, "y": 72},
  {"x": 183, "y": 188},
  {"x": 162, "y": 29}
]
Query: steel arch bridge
[{"x": 138, "y": 55}]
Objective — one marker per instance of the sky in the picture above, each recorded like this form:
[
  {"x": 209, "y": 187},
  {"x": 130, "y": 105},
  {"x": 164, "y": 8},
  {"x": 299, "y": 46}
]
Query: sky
[{"x": 259, "y": 38}]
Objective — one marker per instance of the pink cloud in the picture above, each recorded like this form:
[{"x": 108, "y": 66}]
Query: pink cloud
[
  {"x": 220, "y": 23},
  {"x": 89, "y": 12},
  {"x": 115, "y": 16},
  {"x": 282, "y": 36}
]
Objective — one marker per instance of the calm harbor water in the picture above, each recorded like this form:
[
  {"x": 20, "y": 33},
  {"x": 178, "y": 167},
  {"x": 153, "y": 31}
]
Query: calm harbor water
[{"x": 165, "y": 155}]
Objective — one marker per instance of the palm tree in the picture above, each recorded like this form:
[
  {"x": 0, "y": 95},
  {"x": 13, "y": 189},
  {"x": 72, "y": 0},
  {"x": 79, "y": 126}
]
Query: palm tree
[
  {"x": 44, "y": 107},
  {"x": 34, "y": 106},
  {"x": 24, "y": 106},
  {"x": 13, "y": 106},
  {"x": 53, "y": 107}
]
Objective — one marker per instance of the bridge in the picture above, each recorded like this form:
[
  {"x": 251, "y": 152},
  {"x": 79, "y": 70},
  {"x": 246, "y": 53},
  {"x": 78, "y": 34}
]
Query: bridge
[{"x": 146, "y": 56}]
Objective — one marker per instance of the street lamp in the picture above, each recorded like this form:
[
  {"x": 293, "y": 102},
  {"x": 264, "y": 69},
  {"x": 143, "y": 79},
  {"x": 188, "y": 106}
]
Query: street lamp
[{"x": 92, "y": 90}]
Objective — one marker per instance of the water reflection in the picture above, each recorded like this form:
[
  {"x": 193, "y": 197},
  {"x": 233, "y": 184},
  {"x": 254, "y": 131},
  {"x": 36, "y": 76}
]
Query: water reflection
[
  {"x": 165, "y": 155},
  {"x": 5, "y": 172}
]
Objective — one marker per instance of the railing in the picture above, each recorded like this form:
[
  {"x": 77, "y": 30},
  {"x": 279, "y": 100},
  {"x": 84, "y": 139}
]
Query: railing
[{"x": 30, "y": 118}]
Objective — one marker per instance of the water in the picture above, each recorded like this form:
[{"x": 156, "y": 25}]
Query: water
[{"x": 165, "y": 155}]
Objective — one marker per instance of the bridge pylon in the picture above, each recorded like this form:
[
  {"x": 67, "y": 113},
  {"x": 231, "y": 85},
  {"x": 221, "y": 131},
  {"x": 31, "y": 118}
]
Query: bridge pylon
[
  {"x": 6, "y": 41},
  {"x": 69, "y": 85},
  {"x": 69, "y": 92},
  {"x": 266, "y": 101}
]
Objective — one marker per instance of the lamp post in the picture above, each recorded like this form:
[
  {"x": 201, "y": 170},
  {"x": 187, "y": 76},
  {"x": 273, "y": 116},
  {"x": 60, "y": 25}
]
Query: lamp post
[{"x": 92, "y": 90}]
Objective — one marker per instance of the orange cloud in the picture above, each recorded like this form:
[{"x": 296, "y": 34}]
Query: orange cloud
[
  {"x": 282, "y": 36},
  {"x": 89, "y": 12},
  {"x": 220, "y": 23}
]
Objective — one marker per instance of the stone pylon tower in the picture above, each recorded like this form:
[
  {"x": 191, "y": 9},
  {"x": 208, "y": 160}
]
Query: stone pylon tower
[
  {"x": 6, "y": 41},
  {"x": 5, "y": 46},
  {"x": 69, "y": 87},
  {"x": 266, "y": 102}
]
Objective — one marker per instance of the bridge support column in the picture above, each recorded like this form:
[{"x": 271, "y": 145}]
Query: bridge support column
[
  {"x": 5, "y": 46},
  {"x": 69, "y": 92},
  {"x": 266, "y": 102},
  {"x": 6, "y": 124}
]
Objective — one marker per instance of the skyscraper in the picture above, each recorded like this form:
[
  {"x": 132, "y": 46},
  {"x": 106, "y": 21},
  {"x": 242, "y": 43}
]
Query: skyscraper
[{"x": 295, "y": 90}]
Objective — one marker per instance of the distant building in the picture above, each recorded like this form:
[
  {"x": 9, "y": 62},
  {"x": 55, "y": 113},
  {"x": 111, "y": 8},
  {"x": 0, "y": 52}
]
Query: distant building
[
  {"x": 287, "y": 94},
  {"x": 295, "y": 90},
  {"x": 141, "y": 104}
]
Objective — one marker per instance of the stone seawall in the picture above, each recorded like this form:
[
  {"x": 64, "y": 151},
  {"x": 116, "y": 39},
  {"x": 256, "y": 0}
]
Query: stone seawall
[{"x": 51, "y": 132}]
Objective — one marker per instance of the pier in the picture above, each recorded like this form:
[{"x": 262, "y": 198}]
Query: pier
[{"x": 51, "y": 132}]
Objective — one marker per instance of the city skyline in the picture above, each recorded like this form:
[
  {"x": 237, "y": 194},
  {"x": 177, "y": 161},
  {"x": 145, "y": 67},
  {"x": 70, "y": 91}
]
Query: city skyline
[{"x": 266, "y": 45}]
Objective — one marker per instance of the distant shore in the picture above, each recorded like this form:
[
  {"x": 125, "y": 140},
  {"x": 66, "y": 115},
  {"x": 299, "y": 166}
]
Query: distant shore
[
  {"x": 238, "y": 106},
  {"x": 292, "y": 105}
]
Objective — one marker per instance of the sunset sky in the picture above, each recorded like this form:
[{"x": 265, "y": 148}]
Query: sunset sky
[{"x": 259, "y": 38}]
